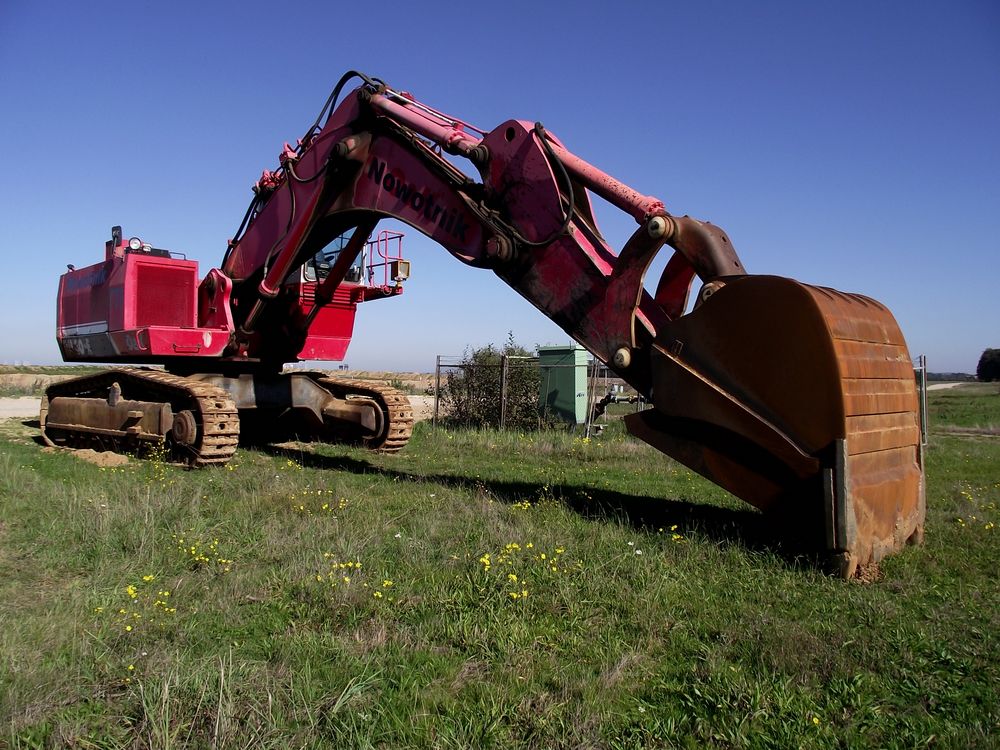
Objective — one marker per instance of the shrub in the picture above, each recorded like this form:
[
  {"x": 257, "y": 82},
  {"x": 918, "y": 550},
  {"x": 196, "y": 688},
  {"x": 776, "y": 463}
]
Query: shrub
[{"x": 472, "y": 393}]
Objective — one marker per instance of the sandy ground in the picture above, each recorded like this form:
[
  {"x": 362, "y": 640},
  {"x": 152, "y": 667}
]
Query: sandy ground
[
  {"x": 423, "y": 407},
  {"x": 26, "y": 406},
  {"x": 22, "y": 407},
  {"x": 941, "y": 386}
]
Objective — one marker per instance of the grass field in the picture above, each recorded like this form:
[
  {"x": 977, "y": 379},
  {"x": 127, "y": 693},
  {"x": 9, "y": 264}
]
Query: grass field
[
  {"x": 480, "y": 590},
  {"x": 967, "y": 406}
]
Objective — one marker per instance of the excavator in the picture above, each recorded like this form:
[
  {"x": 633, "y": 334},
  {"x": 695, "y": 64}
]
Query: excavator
[{"x": 799, "y": 399}]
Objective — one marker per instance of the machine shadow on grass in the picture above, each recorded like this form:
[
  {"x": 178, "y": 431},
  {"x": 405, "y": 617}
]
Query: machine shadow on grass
[{"x": 748, "y": 528}]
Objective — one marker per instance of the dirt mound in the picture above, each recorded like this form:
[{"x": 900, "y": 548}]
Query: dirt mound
[
  {"x": 410, "y": 382},
  {"x": 106, "y": 458},
  {"x": 99, "y": 458}
]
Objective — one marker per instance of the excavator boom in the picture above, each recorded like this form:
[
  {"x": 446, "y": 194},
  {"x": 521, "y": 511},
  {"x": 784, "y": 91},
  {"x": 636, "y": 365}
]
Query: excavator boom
[{"x": 799, "y": 399}]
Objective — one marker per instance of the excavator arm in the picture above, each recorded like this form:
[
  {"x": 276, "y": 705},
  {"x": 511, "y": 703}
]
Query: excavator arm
[
  {"x": 528, "y": 218},
  {"x": 799, "y": 399}
]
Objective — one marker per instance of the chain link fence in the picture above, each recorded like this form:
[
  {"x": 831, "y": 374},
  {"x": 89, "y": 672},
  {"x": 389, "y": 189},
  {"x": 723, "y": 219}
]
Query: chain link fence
[{"x": 517, "y": 392}]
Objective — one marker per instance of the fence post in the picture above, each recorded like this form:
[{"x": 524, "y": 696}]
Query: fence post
[
  {"x": 591, "y": 395},
  {"x": 503, "y": 391},
  {"x": 922, "y": 387},
  {"x": 437, "y": 390}
]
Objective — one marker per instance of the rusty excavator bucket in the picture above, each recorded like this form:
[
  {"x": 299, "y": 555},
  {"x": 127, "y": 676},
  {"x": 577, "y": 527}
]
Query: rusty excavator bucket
[{"x": 802, "y": 401}]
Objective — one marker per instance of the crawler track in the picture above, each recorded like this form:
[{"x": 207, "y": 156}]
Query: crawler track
[
  {"x": 397, "y": 412},
  {"x": 215, "y": 413}
]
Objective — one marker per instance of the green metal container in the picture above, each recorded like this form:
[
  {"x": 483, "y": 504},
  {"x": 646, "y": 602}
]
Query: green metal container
[{"x": 563, "y": 382}]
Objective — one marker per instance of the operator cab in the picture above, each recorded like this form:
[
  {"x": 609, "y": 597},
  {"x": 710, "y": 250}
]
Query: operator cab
[
  {"x": 317, "y": 268},
  {"x": 379, "y": 265}
]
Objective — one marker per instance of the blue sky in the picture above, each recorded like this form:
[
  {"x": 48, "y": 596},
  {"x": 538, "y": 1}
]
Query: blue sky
[{"x": 849, "y": 144}]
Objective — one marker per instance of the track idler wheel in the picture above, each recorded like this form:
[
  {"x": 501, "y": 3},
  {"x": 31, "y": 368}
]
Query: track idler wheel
[{"x": 184, "y": 430}]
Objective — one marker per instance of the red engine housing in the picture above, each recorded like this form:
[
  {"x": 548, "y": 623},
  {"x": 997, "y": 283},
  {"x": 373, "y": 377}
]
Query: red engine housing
[{"x": 146, "y": 305}]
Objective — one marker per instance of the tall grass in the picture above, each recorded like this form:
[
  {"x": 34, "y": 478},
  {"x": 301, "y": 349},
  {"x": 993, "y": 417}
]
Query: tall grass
[{"x": 481, "y": 589}]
